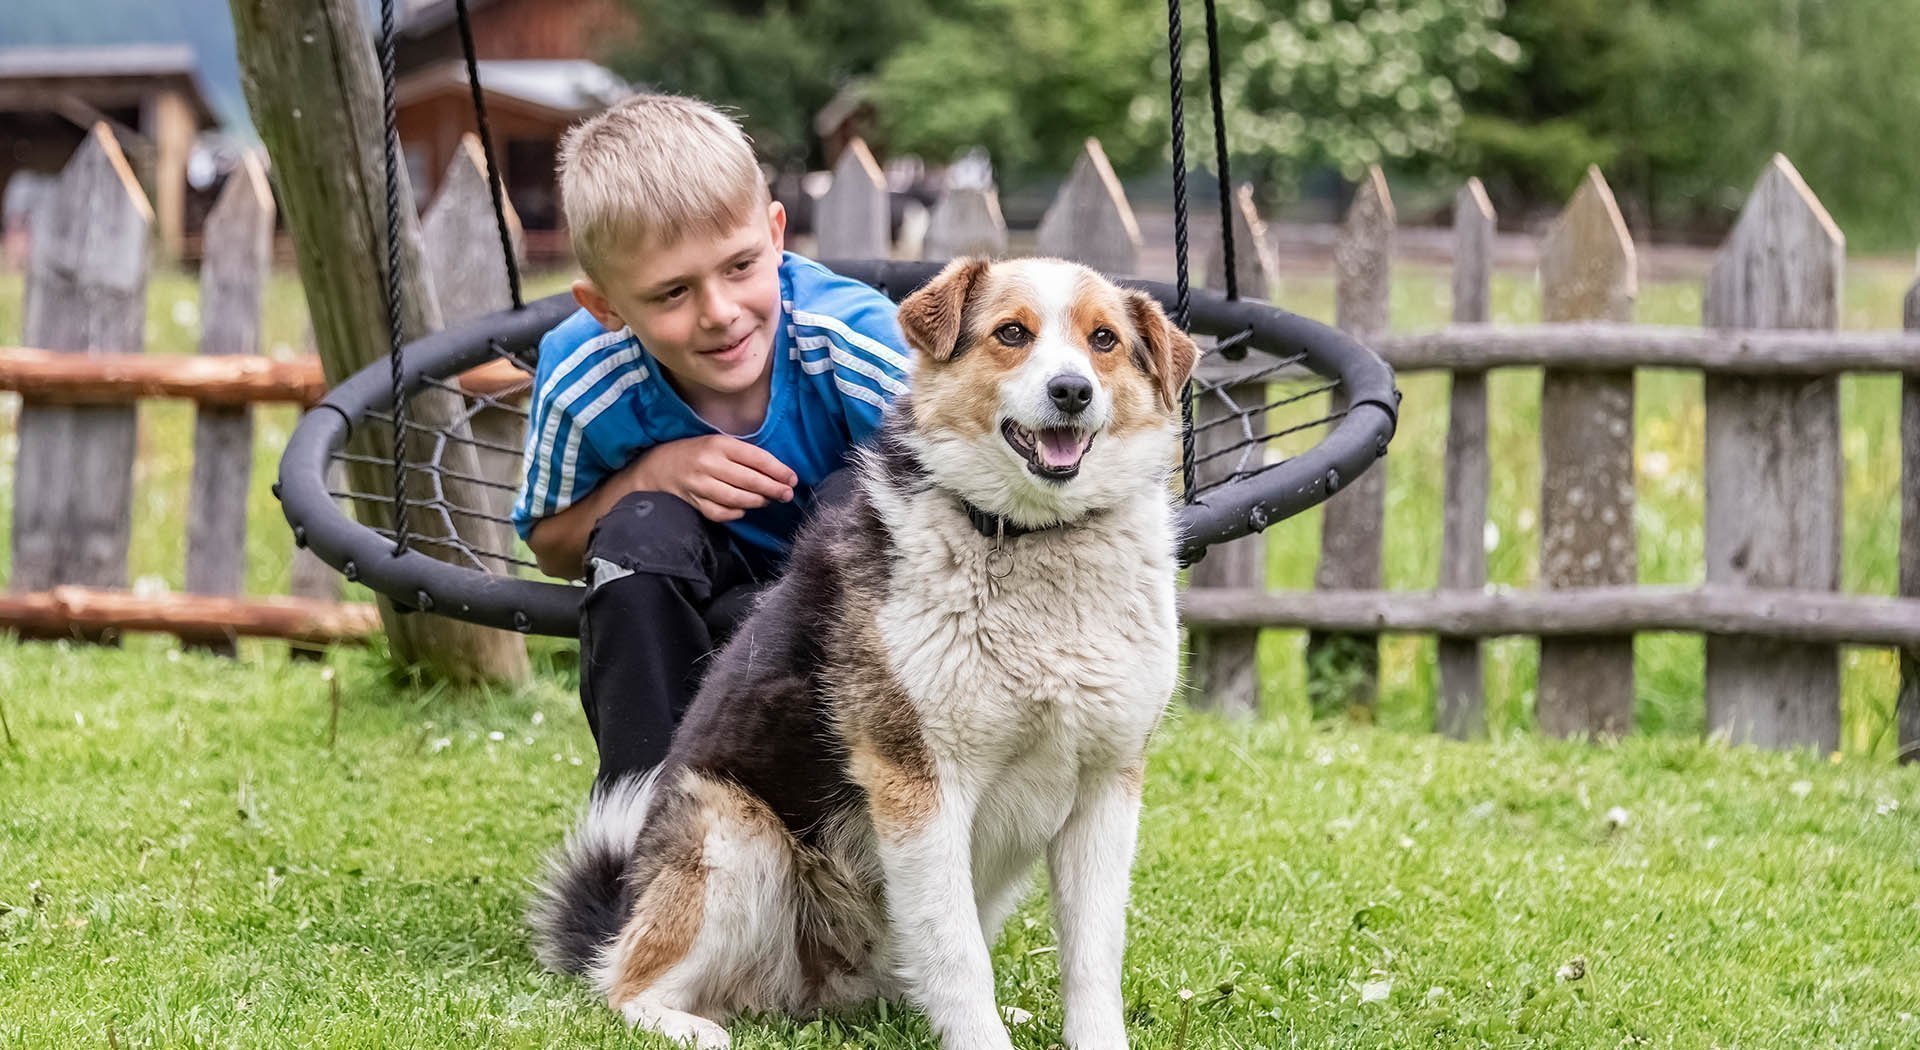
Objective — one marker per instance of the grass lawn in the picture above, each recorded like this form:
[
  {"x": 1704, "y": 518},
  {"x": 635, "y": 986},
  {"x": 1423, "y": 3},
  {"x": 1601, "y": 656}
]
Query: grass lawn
[{"x": 188, "y": 859}]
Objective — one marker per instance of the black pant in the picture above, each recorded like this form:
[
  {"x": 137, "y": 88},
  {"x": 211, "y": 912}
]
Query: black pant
[{"x": 666, "y": 588}]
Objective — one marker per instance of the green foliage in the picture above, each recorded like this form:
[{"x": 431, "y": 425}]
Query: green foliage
[
  {"x": 776, "y": 62},
  {"x": 1346, "y": 82},
  {"x": 1682, "y": 101},
  {"x": 1030, "y": 82}
]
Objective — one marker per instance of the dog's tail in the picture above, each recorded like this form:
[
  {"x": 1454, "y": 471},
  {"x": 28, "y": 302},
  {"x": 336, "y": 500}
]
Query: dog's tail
[{"x": 583, "y": 896}]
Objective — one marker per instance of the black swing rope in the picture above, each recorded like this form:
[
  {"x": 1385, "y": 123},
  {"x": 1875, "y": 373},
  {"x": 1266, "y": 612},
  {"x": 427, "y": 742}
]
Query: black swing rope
[
  {"x": 1183, "y": 305},
  {"x": 495, "y": 188}
]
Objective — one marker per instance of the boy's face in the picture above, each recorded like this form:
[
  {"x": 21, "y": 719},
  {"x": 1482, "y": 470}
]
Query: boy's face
[{"x": 704, "y": 308}]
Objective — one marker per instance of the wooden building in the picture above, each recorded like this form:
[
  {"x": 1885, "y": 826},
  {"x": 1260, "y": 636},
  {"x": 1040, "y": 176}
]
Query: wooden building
[{"x": 149, "y": 94}]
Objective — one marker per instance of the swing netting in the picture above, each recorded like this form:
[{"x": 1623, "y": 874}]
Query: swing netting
[{"x": 1281, "y": 413}]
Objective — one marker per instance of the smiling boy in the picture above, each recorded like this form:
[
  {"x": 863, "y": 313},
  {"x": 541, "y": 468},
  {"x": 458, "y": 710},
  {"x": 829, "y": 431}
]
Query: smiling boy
[{"x": 685, "y": 416}]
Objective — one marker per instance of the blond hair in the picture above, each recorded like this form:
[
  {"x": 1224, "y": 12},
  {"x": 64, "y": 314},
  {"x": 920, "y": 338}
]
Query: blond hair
[{"x": 654, "y": 170}]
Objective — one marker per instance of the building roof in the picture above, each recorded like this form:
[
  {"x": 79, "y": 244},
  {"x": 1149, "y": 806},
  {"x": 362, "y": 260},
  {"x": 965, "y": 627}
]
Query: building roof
[
  {"x": 98, "y": 60},
  {"x": 93, "y": 72},
  {"x": 566, "y": 87}
]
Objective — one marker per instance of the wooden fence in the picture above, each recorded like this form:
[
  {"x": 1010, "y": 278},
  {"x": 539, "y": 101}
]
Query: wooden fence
[
  {"x": 83, "y": 374},
  {"x": 1769, "y": 353}
]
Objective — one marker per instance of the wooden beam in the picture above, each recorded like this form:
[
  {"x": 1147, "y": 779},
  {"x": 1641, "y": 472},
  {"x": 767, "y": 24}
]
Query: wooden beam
[
  {"x": 1780, "y": 615},
  {"x": 1459, "y": 709},
  {"x": 1608, "y": 347},
  {"x": 1586, "y": 466},
  {"x": 89, "y": 611},
  {"x": 311, "y": 85},
  {"x": 118, "y": 379}
]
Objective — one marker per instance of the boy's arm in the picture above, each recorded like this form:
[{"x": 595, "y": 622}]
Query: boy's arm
[{"x": 721, "y": 477}]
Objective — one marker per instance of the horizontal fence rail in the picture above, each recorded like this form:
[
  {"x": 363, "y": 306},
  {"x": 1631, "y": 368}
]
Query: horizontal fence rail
[{"x": 1797, "y": 616}]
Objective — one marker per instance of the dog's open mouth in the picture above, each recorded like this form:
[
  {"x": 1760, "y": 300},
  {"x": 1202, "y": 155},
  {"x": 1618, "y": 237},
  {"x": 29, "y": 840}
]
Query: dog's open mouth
[{"x": 1053, "y": 453}]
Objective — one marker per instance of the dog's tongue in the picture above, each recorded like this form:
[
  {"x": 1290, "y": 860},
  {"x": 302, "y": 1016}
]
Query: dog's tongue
[{"x": 1060, "y": 446}]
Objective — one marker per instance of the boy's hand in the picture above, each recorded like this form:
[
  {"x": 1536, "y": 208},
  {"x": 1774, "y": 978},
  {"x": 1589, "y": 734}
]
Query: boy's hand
[{"x": 722, "y": 477}]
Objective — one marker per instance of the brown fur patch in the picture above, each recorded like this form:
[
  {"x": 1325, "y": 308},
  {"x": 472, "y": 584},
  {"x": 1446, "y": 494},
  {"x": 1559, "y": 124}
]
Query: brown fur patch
[
  {"x": 667, "y": 917},
  {"x": 1163, "y": 351},
  {"x": 887, "y": 753},
  {"x": 933, "y": 317}
]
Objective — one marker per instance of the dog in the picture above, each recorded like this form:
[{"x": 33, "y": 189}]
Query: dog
[{"x": 958, "y": 674}]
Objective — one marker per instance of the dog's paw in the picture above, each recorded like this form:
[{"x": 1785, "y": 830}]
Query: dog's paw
[
  {"x": 677, "y": 1025},
  {"x": 1111, "y": 1035}
]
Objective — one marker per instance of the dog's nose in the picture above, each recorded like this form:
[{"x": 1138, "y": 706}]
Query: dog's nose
[{"x": 1070, "y": 393}]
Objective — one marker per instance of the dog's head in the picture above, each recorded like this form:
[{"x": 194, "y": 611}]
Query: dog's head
[{"x": 1042, "y": 391}]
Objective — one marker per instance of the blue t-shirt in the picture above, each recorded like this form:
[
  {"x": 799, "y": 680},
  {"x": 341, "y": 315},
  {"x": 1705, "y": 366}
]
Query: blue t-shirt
[{"x": 600, "y": 400}]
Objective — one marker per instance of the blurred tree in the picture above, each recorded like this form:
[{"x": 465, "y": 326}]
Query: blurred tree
[
  {"x": 1681, "y": 101},
  {"x": 1342, "y": 82},
  {"x": 775, "y": 62}
]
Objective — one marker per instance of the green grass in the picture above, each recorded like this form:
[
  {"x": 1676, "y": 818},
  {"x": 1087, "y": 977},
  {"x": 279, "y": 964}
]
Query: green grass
[{"x": 187, "y": 860}]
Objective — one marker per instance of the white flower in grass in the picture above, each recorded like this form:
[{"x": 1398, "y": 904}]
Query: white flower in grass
[
  {"x": 1617, "y": 818},
  {"x": 496, "y": 736},
  {"x": 1800, "y": 788},
  {"x": 441, "y": 745},
  {"x": 1377, "y": 990},
  {"x": 1885, "y": 805}
]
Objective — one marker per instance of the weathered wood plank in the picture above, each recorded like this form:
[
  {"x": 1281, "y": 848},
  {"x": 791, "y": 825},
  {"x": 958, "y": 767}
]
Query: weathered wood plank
[
  {"x": 1460, "y": 708},
  {"x": 311, "y": 85},
  {"x": 1254, "y": 262},
  {"x": 469, "y": 276},
  {"x": 1603, "y": 347},
  {"x": 207, "y": 620},
  {"x": 233, "y": 271},
  {"x": 1907, "y": 709},
  {"x": 1586, "y": 466},
  {"x": 1773, "y": 466},
  {"x": 1223, "y": 670},
  {"x": 851, "y": 221},
  {"x": 1717, "y": 610},
  {"x": 966, "y": 220},
  {"x": 1090, "y": 220},
  {"x": 1343, "y": 671},
  {"x": 227, "y": 382},
  {"x": 85, "y": 290}
]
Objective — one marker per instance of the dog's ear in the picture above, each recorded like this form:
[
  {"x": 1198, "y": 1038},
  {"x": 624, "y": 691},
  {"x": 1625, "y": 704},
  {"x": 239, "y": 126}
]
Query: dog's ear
[
  {"x": 1164, "y": 351},
  {"x": 933, "y": 317}
]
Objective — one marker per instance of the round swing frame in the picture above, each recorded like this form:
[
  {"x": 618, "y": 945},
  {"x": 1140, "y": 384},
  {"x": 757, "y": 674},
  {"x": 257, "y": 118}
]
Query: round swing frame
[{"x": 414, "y": 580}]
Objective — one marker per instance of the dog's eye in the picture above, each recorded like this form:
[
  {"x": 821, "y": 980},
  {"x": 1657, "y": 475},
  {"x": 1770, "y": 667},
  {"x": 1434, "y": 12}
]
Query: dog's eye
[
  {"x": 1012, "y": 334},
  {"x": 1103, "y": 339}
]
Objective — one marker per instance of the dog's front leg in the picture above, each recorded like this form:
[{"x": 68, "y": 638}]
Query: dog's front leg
[
  {"x": 942, "y": 955},
  {"x": 1089, "y": 863}
]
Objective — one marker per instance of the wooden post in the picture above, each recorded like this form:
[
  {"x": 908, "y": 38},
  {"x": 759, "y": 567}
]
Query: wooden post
[
  {"x": 1223, "y": 672},
  {"x": 238, "y": 248},
  {"x": 1908, "y": 707},
  {"x": 1586, "y": 466},
  {"x": 1252, "y": 251},
  {"x": 170, "y": 122},
  {"x": 852, "y": 220},
  {"x": 1774, "y": 467},
  {"x": 470, "y": 277},
  {"x": 1343, "y": 669},
  {"x": 1090, "y": 220},
  {"x": 86, "y": 289},
  {"x": 311, "y": 86},
  {"x": 1460, "y": 711},
  {"x": 966, "y": 220}
]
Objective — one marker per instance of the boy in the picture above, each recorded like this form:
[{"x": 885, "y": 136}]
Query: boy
[{"x": 685, "y": 418}]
